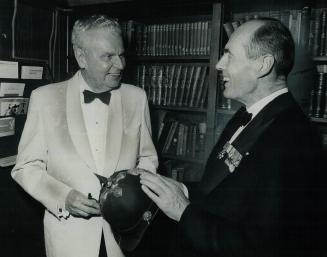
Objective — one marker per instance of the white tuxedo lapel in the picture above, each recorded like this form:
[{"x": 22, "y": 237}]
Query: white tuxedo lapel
[
  {"x": 114, "y": 133},
  {"x": 76, "y": 124}
]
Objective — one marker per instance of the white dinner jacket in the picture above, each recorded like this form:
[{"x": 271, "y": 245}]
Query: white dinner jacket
[{"x": 54, "y": 156}]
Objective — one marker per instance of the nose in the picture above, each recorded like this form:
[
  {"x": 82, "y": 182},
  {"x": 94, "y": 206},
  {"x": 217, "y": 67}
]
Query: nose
[
  {"x": 221, "y": 63},
  {"x": 119, "y": 62}
]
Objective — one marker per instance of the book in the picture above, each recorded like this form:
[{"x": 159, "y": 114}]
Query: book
[
  {"x": 165, "y": 128},
  {"x": 202, "y": 81},
  {"x": 319, "y": 93},
  {"x": 176, "y": 84},
  {"x": 185, "y": 139},
  {"x": 204, "y": 94},
  {"x": 179, "y": 151},
  {"x": 322, "y": 32},
  {"x": 154, "y": 84},
  {"x": 202, "y": 136},
  {"x": 159, "y": 84},
  {"x": 315, "y": 31},
  {"x": 194, "y": 86},
  {"x": 182, "y": 85},
  {"x": 305, "y": 26},
  {"x": 165, "y": 84},
  {"x": 172, "y": 147},
  {"x": 170, "y": 83},
  {"x": 170, "y": 135},
  {"x": 206, "y": 40},
  {"x": 188, "y": 84}
]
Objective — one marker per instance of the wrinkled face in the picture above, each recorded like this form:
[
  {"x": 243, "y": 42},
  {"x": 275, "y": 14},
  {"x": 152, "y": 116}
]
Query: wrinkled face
[
  {"x": 239, "y": 72},
  {"x": 101, "y": 59}
]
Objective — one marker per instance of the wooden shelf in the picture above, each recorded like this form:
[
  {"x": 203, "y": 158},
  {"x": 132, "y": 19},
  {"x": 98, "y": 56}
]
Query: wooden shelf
[
  {"x": 196, "y": 160},
  {"x": 198, "y": 58},
  {"x": 175, "y": 108},
  {"x": 320, "y": 58},
  {"x": 319, "y": 120}
]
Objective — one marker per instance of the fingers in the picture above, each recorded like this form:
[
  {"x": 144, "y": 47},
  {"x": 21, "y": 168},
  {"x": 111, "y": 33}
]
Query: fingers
[
  {"x": 155, "y": 198},
  {"x": 79, "y": 205},
  {"x": 154, "y": 182}
]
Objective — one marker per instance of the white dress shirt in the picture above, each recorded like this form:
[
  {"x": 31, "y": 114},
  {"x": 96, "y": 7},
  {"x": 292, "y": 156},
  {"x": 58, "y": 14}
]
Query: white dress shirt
[
  {"x": 95, "y": 119},
  {"x": 256, "y": 108}
]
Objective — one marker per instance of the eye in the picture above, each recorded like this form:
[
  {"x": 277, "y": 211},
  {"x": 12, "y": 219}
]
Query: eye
[{"x": 108, "y": 57}]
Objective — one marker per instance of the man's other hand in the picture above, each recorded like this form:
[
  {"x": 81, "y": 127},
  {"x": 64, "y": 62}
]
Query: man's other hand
[{"x": 79, "y": 205}]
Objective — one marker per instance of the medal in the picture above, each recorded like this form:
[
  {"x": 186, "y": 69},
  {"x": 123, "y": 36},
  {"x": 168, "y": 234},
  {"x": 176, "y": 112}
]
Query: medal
[{"x": 233, "y": 156}]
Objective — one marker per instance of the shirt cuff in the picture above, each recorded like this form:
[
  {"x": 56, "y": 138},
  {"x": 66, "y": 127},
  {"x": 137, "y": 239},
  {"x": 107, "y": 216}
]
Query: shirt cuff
[{"x": 62, "y": 213}]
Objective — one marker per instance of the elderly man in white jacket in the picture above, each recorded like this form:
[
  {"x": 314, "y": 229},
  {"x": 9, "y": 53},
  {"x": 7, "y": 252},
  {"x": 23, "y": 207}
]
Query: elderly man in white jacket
[{"x": 90, "y": 124}]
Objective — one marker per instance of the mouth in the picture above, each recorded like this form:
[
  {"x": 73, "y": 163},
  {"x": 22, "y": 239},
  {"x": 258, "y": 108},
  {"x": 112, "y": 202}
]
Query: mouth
[{"x": 225, "y": 81}]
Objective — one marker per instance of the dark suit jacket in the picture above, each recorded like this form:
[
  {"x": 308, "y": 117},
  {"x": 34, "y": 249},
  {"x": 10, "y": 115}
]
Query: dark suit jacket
[{"x": 268, "y": 206}]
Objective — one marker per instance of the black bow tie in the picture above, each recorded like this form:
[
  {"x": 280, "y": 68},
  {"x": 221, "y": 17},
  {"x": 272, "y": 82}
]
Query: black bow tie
[
  {"x": 89, "y": 96},
  {"x": 242, "y": 116}
]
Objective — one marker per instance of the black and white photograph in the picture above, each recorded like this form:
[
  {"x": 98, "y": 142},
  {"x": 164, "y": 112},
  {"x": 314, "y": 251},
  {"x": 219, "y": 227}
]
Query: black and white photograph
[{"x": 163, "y": 128}]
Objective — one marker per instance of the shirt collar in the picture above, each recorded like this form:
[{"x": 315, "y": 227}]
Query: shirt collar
[{"x": 258, "y": 106}]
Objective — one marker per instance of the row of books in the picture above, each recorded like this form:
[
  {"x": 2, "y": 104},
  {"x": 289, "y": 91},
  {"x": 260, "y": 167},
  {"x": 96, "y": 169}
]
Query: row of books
[
  {"x": 318, "y": 104},
  {"x": 182, "y": 138},
  {"x": 173, "y": 39},
  {"x": 308, "y": 26},
  {"x": 178, "y": 85}
]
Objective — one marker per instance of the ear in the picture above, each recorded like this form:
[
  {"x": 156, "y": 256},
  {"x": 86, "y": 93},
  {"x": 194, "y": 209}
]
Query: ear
[
  {"x": 265, "y": 65},
  {"x": 80, "y": 57}
]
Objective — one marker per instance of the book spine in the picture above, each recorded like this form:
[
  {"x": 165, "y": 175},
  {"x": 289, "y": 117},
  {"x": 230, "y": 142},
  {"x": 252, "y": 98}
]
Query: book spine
[
  {"x": 176, "y": 84},
  {"x": 195, "y": 85},
  {"x": 323, "y": 25},
  {"x": 305, "y": 27},
  {"x": 170, "y": 84},
  {"x": 202, "y": 80},
  {"x": 316, "y": 21},
  {"x": 188, "y": 85},
  {"x": 165, "y": 81},
  {"x": 318, "y": 102},
  {"x": 159, "y": 83}
]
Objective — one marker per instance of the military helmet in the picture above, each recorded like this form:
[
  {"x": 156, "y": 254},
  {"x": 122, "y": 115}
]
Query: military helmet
[{"x": 126, "y": 207}]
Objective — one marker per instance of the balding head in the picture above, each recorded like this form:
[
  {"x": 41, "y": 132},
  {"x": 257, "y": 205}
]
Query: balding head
[{"x": 269, "y": 36}]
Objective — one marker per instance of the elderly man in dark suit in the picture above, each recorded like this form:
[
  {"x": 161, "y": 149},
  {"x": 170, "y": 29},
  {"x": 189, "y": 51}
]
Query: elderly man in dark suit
[{"x": 257, "y": 195}]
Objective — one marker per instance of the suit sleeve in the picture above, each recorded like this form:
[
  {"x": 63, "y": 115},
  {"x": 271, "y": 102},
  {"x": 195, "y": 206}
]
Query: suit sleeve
[
  {"x": 211, "y": 235},
  {"x": 148, "y": 158},
  {"x": 30, "y": 171}
]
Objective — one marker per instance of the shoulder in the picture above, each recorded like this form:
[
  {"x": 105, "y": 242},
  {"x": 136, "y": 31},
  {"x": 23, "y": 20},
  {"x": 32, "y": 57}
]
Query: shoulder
[
  {"x": 50, "y": 90},
  {"x": 131, "y": 90},
  {"x": 132, "y": 95}
]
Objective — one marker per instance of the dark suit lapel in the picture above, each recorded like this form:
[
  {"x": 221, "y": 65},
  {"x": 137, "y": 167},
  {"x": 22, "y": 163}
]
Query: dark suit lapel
[
  {"x": 261, "y": 121},
  {"x": 216, "y": 169}
]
